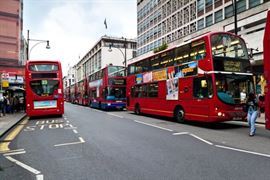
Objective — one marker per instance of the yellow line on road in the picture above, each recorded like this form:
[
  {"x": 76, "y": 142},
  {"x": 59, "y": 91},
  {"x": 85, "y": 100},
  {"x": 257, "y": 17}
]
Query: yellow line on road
[{"x": 4, "y": 145}]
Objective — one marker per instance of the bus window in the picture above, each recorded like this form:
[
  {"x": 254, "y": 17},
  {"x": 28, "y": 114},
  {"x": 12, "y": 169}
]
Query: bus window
[
  {"x": 198, "y": 51},
  {"x": 167, "y": 59},
  {"x": 155, "y": 62},
  {"x": 203, "y": 88},
  {"x": 182, "y": 54},
  {"x": 153, "y": 90},
  {"x": 131, "y": 69}
]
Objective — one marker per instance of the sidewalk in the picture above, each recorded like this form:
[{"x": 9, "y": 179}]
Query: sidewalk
[{"x": 8, "y": 121}]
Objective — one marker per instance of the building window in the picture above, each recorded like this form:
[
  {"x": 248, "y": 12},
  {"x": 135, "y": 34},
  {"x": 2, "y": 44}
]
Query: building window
[
  {"x": 201, "y": 24},
  {"x": 200, "y": 5},
  {"x": 208, "y": 3},
  {"x": 253, "y": 3},
  {"x": 218, "y": 16},
  {"x": 241, "y": 6},
  {"x": 209, "y": 20},
  {"x": 229, "y": 11}
]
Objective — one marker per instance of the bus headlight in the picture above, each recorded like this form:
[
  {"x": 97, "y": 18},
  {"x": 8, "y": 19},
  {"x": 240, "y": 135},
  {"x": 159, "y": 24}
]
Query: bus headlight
[
  {"x": 109, "y": 104},
  {"x": 219, "y": 114}
]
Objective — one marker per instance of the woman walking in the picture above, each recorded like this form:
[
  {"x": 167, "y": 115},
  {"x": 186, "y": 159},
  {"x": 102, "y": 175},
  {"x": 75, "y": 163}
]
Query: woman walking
[{"x": 252, "y": 107}]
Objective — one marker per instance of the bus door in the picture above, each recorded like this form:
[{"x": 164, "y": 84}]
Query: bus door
[{"x": 202, "y": 92}]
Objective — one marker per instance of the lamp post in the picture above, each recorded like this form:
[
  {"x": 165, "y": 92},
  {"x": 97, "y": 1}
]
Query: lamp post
[
  {"x": 123, "y": 53},
  {"x": 234, "y": 3},
  {"x": 39, "y": 41}
]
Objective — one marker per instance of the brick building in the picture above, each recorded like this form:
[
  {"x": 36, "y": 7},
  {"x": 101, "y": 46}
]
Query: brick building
[{"x": 11, "y": 43}]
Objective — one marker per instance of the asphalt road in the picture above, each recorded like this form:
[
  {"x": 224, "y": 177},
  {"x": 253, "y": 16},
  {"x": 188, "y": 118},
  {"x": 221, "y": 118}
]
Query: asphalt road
[{"x": 91, "y": 144}]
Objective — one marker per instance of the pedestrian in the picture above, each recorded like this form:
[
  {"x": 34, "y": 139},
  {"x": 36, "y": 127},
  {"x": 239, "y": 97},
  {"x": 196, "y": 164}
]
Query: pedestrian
[
  {"x": 5, "y": 102},
  {"x": 11, "y": 104},
  {"x": 1, "y": 105},
  {"x": 252, "y": 112}
]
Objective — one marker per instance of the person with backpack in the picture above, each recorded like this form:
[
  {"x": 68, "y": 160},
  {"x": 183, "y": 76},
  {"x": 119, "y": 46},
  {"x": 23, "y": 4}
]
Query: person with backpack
[{"x": 252, "y": 112}]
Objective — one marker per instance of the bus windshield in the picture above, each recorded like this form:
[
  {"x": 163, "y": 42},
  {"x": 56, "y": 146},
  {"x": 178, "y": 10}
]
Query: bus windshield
[
  {"x": 116, "y": 93},
  {"x": 44, "y": 87},
  {"x": 228, "y": 46},
  {"x": 116, "y": 71},
  {"x": 233, "y": 89}
]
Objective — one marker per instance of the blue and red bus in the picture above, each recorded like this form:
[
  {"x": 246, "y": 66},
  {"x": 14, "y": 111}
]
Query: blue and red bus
[
  {"x": 107, "y": 88},
  {"x": 44, "y": 88},
  {"x": 206, "y": 79},
  {"x": 266, "y": 63}
]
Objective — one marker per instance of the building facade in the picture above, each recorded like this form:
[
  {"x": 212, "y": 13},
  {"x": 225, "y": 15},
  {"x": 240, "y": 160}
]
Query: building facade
[
  {"x": 174, "y": 22},
  {"x": 11, "y": 43},
  {"x": 108, "y": 50}
]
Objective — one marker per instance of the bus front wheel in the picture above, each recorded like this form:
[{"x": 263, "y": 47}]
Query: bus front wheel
[
  {"x": 179, "y": 115},
  {"x": 137, "y": 109}
]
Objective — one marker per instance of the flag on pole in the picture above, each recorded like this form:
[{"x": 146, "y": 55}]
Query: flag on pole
[{"x": 105, "y": 23}]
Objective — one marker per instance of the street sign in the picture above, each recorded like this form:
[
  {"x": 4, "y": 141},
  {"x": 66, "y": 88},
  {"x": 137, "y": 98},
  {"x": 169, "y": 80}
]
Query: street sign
[{"x": 5, "y": 83}]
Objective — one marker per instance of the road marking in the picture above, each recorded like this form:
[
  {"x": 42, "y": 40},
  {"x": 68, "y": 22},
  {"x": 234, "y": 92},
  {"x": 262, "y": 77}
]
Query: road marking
[
  {"x": 4, "y": 146},
  {"x": 28, "y": 168},
  {"x": 244, "y": 123},
  {"x": 14, "y": 153},
  {"x": 153, "y": 126},
  {"x": 75, "y": 131},
  {"x": 97, "y": 110},
  {"x": 201, "y": 139},
  {"x": 39, "y": 177},
  {"x": 81, "y": 140},
  {"x": 66, "y": 144},
  {"x": 180, "y": 133},
  {"x": 245, "y": 151},
  {"x": 15, "y": 150},
  {"x": 115, "y": 115}
]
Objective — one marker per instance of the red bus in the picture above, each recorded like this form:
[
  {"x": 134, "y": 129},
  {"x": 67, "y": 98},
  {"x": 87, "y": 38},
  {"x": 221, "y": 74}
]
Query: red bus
[
  {"x": 107, "y": 88},
  {"x": 207, "y": 80},
  {"x": 267, "y": 70},
  {"x": 44, "y": 88},
  {"x": 67, "y": 94},
  {"x": 73, "y": 93}
]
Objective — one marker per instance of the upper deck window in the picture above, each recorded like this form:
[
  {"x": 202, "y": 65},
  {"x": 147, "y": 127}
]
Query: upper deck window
[
  {"x": 230, "y": 46},
  {"x": 43, "y": 67}
]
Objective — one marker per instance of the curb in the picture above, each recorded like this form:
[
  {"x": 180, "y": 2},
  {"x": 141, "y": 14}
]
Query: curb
[{"x": 15, "y": 124}]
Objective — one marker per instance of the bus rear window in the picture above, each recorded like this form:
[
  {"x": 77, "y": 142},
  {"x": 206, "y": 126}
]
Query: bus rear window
[{"x": 43, "y": 67}]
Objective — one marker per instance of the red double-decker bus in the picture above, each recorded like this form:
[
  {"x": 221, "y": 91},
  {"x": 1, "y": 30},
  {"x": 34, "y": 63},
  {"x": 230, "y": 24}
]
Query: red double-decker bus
[
  {"x": 207, "y": 80},
  {"x": 73, "y": 93},
  {"x": 266, "y": 63},
  {"x": 82, "y": 93},
  {"x": 44, "y": 88},
  {"x": 107, "y": 88}
]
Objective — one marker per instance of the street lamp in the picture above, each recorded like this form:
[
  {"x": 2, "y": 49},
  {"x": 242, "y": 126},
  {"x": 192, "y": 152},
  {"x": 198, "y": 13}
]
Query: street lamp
[
  {"x": 38, "y": 42},
  {"x": 123, "y": 53}
]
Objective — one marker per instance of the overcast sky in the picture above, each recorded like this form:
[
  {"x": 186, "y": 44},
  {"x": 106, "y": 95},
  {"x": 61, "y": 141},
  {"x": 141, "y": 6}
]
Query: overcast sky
[{"x": 74, "y": 26}]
